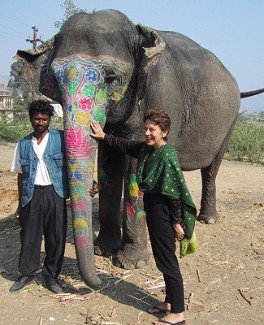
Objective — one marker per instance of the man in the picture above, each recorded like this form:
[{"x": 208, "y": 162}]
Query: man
[{"x": 40, "y": 161}]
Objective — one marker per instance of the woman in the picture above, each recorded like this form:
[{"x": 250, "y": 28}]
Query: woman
[{"x": 170, "y": 211}]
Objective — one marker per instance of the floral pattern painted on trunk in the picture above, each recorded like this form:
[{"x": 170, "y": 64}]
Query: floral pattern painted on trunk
[{"x": 89, "y": 86}]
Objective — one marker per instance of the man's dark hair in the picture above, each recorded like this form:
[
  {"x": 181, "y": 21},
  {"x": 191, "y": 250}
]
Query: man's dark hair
[{"x": 40, "y": 106}]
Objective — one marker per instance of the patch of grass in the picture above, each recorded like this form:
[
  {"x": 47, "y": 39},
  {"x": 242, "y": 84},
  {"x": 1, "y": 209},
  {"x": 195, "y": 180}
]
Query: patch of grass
[{"x": 247, "y": 142}]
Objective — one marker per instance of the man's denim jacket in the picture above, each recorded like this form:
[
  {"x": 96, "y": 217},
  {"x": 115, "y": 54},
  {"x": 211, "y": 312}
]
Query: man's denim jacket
[{"x": 55, "y": 159}]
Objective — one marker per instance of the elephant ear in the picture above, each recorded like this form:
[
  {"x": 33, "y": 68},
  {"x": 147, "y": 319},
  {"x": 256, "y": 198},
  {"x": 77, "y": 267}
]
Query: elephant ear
[
  {"x": 152, "y": 42},
  {"x": 153, "y": 46},
  {"x": 32, "y": 54},
  {"x": 35, "y": 67}
]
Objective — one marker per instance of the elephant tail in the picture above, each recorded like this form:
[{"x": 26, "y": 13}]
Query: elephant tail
[{"x": 251, "y": 93}]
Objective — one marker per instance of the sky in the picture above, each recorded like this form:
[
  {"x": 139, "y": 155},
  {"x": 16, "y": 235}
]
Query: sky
[{"x": 232, "y": 29}]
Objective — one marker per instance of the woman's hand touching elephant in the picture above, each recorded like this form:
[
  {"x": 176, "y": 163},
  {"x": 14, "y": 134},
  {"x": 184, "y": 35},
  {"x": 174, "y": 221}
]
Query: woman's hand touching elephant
[{"x": 98, "y": 132}]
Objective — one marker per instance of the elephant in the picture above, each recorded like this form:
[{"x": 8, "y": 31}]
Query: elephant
[{"x": 101, "y": 66}]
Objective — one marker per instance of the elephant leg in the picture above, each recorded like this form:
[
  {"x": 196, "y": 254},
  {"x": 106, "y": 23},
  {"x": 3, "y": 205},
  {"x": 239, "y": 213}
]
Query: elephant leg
[
  {"x": 208, "y": 212},
  {"x": 110, "y": 177},
  {"x": 133, "y": 253}
]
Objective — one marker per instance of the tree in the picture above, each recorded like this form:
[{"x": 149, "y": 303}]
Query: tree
[
  {"x": 18, "y": 84},
  {"x": 22, "y": 83},
  {"x": 70, "y": 9}
]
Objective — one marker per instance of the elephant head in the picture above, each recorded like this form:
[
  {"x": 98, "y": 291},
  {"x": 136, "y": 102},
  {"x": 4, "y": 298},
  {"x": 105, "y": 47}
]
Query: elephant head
[{"x": 96, "y": 67}]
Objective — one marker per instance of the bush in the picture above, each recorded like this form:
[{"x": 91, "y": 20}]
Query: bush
[
  {"x": 21, "y": 107},
  {"x": 12, "y": 131},
  {"x": 247, "y": 142}
]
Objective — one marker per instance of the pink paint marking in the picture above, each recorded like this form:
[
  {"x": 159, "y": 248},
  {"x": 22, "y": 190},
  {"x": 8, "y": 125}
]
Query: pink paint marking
[
  {"x": 79, "y": 205},
  {"x": 71, "y": 100},
  {"x": 86, "y": 104},
  {"x": 81, "y": 242},
  {"x": 84, "y": 55},
  {"x": 78, "y": 146},
  {"x": 130, "y": 210}
]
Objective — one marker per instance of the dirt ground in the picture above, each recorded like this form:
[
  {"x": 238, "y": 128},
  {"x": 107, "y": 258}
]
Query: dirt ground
[{"x": 224, "y": 280}]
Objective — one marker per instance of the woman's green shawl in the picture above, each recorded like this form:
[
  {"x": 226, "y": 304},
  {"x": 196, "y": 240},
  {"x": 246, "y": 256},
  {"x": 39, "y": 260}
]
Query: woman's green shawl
[{"x": 158, "y": 171}]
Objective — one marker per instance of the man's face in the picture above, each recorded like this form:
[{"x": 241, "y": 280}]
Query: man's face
[{"x": 40, "y": 123}]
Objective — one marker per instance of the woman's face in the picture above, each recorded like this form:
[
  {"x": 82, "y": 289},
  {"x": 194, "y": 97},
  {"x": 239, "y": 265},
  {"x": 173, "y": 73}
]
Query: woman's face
[{"x": 154, "y": 135}]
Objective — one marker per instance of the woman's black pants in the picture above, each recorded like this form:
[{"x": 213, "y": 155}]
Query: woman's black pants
[{"x": 163, "y": 244}]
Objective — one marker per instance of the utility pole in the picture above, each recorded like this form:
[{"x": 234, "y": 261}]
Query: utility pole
[
  {"x": 34, "y": 42},
  {"x": 35, "y": 38}
]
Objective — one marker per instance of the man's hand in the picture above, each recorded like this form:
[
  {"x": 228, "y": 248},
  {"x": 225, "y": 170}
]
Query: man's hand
[
  {"x": 93, "y": 191},
  {"x": 17, "y": 214}
]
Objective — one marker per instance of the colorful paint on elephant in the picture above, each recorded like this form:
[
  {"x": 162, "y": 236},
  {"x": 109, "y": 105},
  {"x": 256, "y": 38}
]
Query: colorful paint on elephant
[
  {"x": 81, "y": 228},
  {"x": 134, "y": 190},
  {"x": 86, "y": 94},
  {"x": 134, "y": 195},
  {"x": 131, "y": 212},
  {"x": 88, "y": 85},
  {"x": 105, "y": 182}
]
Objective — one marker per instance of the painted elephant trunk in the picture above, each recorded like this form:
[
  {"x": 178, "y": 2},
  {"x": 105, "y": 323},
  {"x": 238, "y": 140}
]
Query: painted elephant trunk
[
  {"x": 80, "y": 149},
  {"x": 83, "y": 101}
]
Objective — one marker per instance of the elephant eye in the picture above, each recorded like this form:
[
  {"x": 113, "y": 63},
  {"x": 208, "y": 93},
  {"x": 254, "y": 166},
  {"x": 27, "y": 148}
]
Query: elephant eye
[{"x": 113, "y": 78}]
